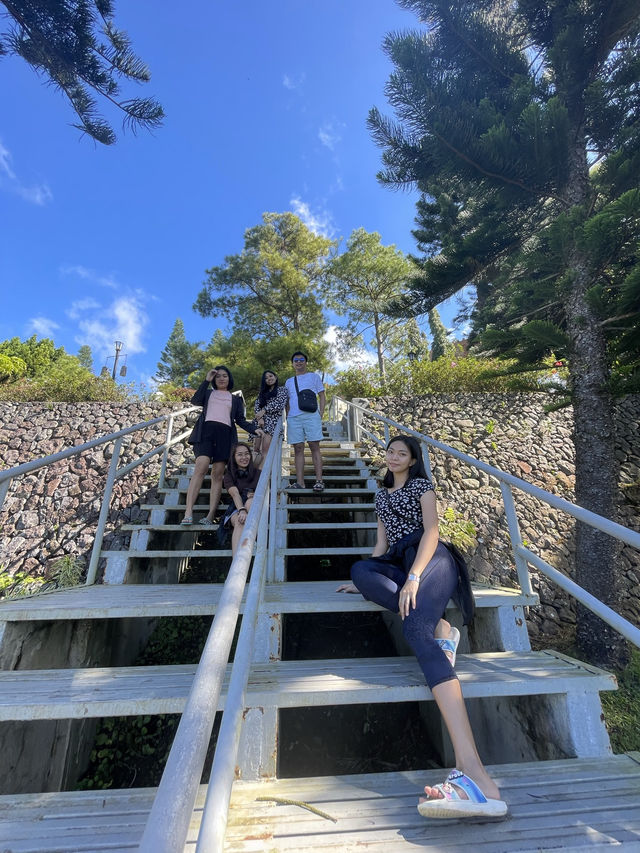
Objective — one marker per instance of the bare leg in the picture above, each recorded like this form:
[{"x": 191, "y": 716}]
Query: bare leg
[
  {"x": 217, "y": 473},
  {"x": 298, "y": 449},
  {"x": 266, "y": 443},
  {"x": 448, "y": 696},
  {"x": 195, "y": 484},
  {"x": 316, "y": 456},
  {"x": 238, "y": 527}
]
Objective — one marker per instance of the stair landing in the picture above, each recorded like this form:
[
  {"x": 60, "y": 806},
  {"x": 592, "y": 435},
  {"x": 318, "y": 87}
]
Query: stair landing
[{"x": 575, "y": 804}]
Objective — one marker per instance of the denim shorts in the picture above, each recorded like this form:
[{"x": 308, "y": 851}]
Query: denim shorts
[{"x": 304, "y": 427}]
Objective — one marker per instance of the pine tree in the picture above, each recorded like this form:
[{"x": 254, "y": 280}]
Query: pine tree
[
  {"x": 503, "y": 110},
  {"x": 366, "y": 278},
  {"x": 438, "y": 335},
  {"x": 76, "y": 47},
  {"x": 85, "y": 357},
  {"x": 274, "y": 286},
  {"x": 179, "y": 358}
]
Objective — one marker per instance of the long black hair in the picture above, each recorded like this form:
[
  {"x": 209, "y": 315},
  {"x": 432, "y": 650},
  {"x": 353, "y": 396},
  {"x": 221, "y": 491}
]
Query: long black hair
[
  {"x": 226, "y": 369},
  {"x": 232, "y": 465},
  {"x": 266, "y": 391},
  {"x": 417, "y": 469}
]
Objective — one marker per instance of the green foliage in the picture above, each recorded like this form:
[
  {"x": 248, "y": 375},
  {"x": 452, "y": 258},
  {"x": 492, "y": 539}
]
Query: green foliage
[
  {"x": 447, "y": 375},
  {"x": 179, "y": 358},
  {"x": 85, "y": 357},
  {"x": 173, "y": 394},
  {"x": 77, "y": 49},
  {"x": 37, "y": 355},
  {"x": 622, "y": 708},
  {"x": 439, "y": 343},
  {"x": 67, "y": 571},
  {"x": 11, "y": 368},
  {"x": 274, "y": 286},
  {"x": 454, "y": 527},
  {"x": 18, "y": 584},
  {"x": 366, "y": 279},
  {"x": 65, "y": 380}
]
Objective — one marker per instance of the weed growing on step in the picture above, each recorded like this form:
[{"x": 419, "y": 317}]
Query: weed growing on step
[{"x": 622, "y": 708}]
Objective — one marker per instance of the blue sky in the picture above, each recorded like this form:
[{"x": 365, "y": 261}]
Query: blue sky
[{"x": 266, "y": 107}]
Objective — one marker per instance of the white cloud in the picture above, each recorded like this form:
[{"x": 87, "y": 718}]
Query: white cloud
[
  {"x": 293, "y": 82},
  {"x": 38, "y": 194},
  {"x": 43, "y": 327},
  {"x": 330, "y": 133},
  {"x": 77, "y": 308},
  {"x": 90, "y": 275},
  {"x": 124, "y": 319},
  {"x": 319, "y": 222}
]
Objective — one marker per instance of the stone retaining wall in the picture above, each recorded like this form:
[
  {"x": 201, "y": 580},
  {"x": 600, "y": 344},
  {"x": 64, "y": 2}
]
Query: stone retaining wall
[
  {"x": 53, "y": 512},
  {"x": 512, "y": 432}
]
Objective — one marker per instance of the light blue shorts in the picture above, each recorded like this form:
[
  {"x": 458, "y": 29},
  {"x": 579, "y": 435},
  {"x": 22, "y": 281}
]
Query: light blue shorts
[{"x": 304, "y": 427}]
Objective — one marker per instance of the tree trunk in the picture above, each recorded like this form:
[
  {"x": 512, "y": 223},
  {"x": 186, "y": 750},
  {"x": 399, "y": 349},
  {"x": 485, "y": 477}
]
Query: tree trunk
[
  {"x": 381, "y": 368},
  {"x": 594, "y": 439}
]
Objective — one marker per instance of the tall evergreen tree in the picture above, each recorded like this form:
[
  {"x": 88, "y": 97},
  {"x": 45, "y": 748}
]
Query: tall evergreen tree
[
  {"x": 75, "y": 46},
  {"x": 179, "y": 358},
  {"x": 274, "y": 286},
  {"x": 368, "y": 277},
  {"x": 85, "y": 357},
  {"x": 503, "y": 109},
  {"x": 438, "y": 335}
]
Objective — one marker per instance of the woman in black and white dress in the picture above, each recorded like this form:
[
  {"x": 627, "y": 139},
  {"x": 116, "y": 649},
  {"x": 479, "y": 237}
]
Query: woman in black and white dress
[
  {"x": 269, "y": 406},
  {"x": 413, "y": 573}
]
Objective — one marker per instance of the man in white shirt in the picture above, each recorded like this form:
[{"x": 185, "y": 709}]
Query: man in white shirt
[{"x": 303, "y": 423}]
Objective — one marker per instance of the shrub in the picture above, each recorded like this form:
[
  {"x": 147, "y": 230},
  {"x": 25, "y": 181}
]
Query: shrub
[{"x": 445, "y": 375}]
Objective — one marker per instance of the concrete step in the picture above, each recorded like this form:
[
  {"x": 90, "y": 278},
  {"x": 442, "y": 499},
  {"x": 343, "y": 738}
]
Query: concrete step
[
  {"x": 571, "y": 805},
  {"x": 327, "y": 507},
  {"x": 126, "y": 691},
  {"x": 120, "y": 601}
]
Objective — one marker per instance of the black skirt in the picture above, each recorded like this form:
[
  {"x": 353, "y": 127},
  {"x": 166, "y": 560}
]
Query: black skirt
[{"x": 215, "y": 443}]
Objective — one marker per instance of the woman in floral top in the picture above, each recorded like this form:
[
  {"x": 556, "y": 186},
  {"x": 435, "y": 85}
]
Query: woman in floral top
[
  {"x": 412, "y": 573},
  {"x": 269, "y": 405}
]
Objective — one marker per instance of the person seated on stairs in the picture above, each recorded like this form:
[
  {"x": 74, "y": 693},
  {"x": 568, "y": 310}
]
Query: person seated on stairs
[
  {"x": 413, "y": 573},
  {"x": 270, "y": 404},
  {"x": 240, "y": 481},
  {"x": 213, "y": 437}
]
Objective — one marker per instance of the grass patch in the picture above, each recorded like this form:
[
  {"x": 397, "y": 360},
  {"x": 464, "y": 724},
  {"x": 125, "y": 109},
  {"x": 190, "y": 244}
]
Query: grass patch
[{"x": 622, "y": 708}]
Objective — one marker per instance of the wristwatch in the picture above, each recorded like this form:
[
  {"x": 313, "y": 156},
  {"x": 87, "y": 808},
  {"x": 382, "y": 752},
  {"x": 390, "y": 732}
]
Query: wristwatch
[{"x": 413, "y": 577}]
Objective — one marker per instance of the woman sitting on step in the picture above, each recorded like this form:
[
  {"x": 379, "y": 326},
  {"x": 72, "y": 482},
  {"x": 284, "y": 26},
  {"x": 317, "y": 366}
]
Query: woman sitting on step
[
  {"x": 270, "y": 404},
  {"x": 240, "y": 481},
  {"x": 412, "y": 573},
  {"x": 213, "y": 437}
]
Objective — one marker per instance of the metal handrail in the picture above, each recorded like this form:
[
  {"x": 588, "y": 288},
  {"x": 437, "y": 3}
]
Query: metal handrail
[
  {"x": 522, "y": 556},
  {"x": 168, "y": 823},
  {"x": 114, "y": 473}
]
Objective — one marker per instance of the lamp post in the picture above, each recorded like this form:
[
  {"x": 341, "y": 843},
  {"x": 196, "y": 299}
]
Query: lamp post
[{"x": 119, "y": 345}]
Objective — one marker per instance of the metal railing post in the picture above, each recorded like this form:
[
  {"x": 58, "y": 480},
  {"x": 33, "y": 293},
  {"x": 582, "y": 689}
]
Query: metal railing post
[
  {"x": 522, "y": 566},
  {"x": 426, "y": 459},
  {"x": 4, "y": 488},
  {"x": 165, "y": 455},
  {"x": 276, "y": 476},
  {"x": 387, "y": 434},
  {"x": 104, "y": 513}
]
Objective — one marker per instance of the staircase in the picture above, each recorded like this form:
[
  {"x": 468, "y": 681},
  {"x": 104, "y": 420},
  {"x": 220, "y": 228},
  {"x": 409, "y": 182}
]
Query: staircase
[{"x": 536, "y": 714}]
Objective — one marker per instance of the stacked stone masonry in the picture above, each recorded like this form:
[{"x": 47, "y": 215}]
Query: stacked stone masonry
[{"x": 53, "y": 512}]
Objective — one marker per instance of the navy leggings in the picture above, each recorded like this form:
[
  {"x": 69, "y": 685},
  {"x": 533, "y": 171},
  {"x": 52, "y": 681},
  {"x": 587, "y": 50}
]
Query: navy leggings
[{"x": 380, "y": 579}]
